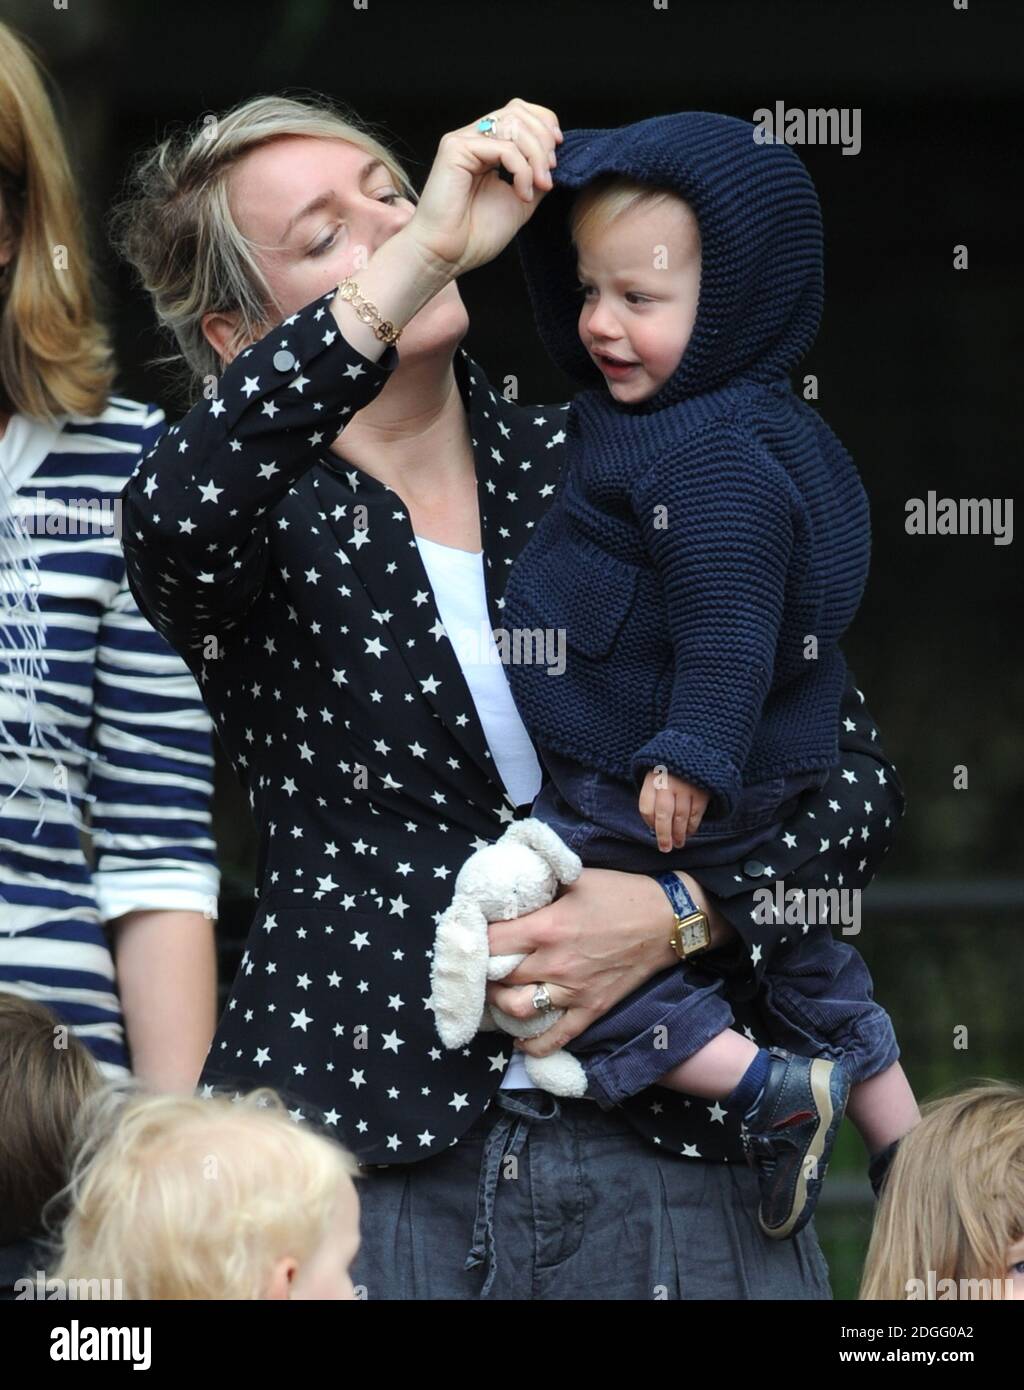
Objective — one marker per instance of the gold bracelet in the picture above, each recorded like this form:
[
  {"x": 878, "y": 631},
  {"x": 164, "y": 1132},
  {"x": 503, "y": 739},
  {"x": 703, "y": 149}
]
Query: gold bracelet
[{"x": 369, "y": 313}]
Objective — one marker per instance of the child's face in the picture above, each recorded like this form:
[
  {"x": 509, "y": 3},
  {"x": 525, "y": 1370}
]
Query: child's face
[
  {"x": 641, "y": 283},
  {"x": 325, "y": 1275}
]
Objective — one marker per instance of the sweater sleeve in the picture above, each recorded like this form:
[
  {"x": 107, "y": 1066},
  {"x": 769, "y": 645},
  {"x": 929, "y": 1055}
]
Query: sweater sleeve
[
  {"x": 716, "y": 515},
  {"x": 196, "y": 511}
]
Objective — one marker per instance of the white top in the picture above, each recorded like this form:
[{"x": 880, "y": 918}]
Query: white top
[{"x": 457, "y": 580}]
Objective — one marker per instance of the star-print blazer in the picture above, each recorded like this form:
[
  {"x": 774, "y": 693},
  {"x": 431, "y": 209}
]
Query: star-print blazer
[{"x": 292, "y": 586}]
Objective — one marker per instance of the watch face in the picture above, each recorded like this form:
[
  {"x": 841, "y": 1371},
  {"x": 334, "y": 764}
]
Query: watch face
[{"x": 695, "y": 933}]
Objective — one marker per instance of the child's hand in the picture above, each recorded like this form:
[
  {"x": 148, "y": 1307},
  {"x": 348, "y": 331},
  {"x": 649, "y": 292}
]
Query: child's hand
[{"x": 671, "y": 807}]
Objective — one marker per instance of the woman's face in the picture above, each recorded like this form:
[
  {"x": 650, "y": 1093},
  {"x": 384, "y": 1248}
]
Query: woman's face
[{"x": 317, "y": 210}]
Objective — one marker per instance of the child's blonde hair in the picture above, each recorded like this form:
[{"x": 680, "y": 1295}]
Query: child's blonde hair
[
  {"x": 953, "y": 1200},
  {"x": 609, "y": 196},
  {"x": 180, "y": 1197}
]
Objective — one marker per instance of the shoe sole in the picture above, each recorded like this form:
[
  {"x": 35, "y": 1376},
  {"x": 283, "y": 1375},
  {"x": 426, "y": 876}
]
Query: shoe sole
[{"x": 821, "y": 1090}]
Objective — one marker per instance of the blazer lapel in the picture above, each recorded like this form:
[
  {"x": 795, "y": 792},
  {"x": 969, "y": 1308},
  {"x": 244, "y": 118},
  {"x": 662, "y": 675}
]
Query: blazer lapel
[{"x": 385, "y": 550}]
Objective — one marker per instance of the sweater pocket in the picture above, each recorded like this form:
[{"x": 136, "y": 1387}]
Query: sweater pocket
[
  {"x": 575, "y": 591},
  {"x": 595, "y": 614}
]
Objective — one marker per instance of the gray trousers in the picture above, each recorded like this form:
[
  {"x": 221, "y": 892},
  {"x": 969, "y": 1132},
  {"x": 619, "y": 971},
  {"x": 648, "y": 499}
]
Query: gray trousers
[{"x": 549, "y": 1198}]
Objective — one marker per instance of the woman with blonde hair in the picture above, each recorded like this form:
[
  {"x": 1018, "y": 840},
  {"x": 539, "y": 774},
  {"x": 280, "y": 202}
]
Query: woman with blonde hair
[
  {"x": 183, "y": 1198},
  {"x": 325, "y": 537},
  {"x": 950, "y": 1222},
  {"x": 96, "y": 710}
]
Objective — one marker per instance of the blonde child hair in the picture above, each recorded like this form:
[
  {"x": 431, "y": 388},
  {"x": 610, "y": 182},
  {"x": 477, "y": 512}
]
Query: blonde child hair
[
  {"x": 182, "y": 1197},
  {"x": 609, "y": 196},
  {"x": 953, "y": 1199}
]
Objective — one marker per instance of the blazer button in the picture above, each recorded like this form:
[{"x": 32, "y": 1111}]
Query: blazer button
[
  {"x": 284, "y": 361},
  {"x": 753, "y": 868}
]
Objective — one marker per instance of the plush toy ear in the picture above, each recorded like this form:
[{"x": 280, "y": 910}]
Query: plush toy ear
[
  {"x": 563, "y": 862},
  {"x": 559, "y": 1072},
  {"x": 458, "y": 972}
]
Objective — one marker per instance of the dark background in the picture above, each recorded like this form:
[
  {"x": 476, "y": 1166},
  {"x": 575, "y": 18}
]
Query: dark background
[{"x": 918, "y": 364}]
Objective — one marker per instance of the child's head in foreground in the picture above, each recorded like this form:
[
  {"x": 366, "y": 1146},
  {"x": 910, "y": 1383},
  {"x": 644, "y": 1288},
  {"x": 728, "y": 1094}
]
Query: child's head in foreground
[
  {"x": 45, "y": 1076},
  {"x": 186, "y": 1198},
  {"x": 638, "y": 262},
  {"x": 952, "y": 1207}
]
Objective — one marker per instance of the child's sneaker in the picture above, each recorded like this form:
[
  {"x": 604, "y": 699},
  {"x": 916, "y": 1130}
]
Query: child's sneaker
[{"x": 795, "y": 1120}]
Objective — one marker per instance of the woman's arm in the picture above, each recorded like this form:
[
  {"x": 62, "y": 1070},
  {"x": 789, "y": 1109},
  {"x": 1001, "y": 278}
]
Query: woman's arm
[
  {"x": 155, "y": 873},
  {"x": 608, "y": 932},
  {"x": 197, "y": 509},
  {"x": 167, "y": 978}
]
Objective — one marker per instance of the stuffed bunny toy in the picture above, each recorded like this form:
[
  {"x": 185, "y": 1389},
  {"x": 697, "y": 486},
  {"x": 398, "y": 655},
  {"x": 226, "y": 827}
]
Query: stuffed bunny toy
[{"x": 516, "y": 875}]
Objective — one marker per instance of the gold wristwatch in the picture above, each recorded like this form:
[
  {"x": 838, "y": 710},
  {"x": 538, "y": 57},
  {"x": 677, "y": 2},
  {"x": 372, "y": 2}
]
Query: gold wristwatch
[{"x": 691, "y": 933}]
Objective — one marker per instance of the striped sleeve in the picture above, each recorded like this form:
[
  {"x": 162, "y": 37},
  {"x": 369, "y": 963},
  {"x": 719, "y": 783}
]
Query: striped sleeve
[{"x": 152, "y": 777}]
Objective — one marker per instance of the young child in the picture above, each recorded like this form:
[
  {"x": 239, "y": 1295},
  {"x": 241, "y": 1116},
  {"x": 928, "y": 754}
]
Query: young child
[
  {"x": 184, "y": 1197},
  {"x": 952, "y": 1205},
  {"x": 707, "y": 549},
  {"x": 46, "y": 1074}
]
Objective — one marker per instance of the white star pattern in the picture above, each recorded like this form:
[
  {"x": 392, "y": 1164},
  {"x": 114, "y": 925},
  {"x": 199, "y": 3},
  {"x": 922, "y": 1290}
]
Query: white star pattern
[{"x": 371, "y": 784}]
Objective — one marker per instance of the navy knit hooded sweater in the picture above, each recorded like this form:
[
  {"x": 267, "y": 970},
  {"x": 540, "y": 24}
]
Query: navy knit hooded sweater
[{"x": 707, "y": 547}]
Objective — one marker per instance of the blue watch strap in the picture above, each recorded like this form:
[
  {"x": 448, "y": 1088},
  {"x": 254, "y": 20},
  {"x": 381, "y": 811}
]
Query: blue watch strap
[{"x": 682, "y": 903}]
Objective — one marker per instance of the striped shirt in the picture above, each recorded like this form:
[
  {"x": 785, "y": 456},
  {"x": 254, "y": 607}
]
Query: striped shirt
[{"x": 116, "y": 816}]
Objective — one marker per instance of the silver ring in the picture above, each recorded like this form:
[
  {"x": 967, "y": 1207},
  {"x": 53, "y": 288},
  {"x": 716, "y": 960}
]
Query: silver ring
[
  {"x": 541, "y": 998},
  {"x": 487, "y": 125}
]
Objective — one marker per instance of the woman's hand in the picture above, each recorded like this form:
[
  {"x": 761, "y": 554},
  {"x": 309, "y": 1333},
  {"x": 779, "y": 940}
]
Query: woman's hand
[
  {"x": 466, "y": 214},
  {"x": 603, "y": 937},
  {"x": 464, "y": 217}
]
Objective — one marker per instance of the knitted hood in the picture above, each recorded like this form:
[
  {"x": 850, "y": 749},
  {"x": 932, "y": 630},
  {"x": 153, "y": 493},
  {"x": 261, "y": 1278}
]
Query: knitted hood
[{"x": 761, "y": 248}]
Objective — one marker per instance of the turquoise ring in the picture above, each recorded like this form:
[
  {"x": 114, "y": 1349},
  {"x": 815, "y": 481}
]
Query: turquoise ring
[{"x": 486, "y": 125}]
